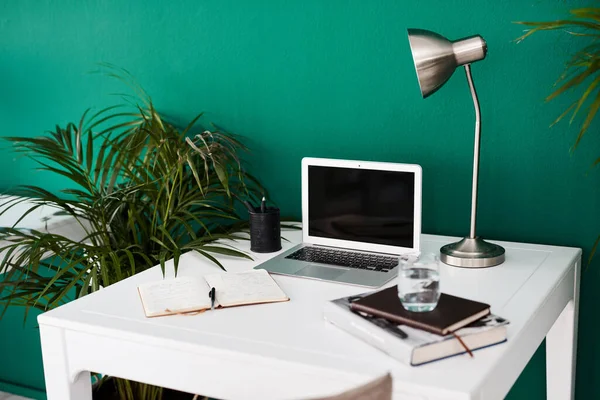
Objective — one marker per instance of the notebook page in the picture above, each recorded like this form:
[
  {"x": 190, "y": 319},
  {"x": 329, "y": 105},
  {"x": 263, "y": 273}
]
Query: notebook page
[
  {"x": 251, "y": 287},
  {"x": 172, "y": 296}
]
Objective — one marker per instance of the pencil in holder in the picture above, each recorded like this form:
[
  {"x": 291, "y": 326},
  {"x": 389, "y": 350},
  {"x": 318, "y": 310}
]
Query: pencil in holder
[{"x": 265, "y": 231}]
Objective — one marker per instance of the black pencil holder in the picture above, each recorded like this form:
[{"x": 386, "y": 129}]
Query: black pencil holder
[{"x": 265, "y": 231}]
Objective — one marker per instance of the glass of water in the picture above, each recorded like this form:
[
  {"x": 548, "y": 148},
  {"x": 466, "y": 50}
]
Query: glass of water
[{"x": 419, "y": 282}]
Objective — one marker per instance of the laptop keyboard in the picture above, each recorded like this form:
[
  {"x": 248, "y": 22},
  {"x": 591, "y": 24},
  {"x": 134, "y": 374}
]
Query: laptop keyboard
[{"x": 351, "y": 259}]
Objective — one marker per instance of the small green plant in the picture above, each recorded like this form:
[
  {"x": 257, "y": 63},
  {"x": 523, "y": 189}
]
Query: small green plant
[
  {"x": 142, "y": 190},
  {"x": 582, "y": 70}
]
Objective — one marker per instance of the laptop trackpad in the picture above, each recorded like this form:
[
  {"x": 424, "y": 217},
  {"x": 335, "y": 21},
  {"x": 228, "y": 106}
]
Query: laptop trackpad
[{"x": 320, "y": 272}]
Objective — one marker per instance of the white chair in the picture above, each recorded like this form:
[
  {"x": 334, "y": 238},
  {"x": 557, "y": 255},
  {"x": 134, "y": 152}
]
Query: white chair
[{"x": 379, "y": 389}]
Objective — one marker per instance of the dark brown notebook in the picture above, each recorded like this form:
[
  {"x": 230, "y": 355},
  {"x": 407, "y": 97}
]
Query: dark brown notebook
[{"x": 451, "y": 313}]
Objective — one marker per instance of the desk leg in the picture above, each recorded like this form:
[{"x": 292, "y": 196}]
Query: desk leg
[
  {"x": 561, "y": 348},
  {"x": 60, "y": 382}
]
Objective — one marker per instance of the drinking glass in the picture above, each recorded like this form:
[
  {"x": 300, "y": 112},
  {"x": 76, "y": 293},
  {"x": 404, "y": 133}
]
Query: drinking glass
[{"x": 419, "y": 282}]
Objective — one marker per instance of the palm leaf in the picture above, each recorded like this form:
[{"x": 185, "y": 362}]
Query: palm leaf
[
  {"x": 588, "y": 119},
  {"x": 583, "y": 66}
]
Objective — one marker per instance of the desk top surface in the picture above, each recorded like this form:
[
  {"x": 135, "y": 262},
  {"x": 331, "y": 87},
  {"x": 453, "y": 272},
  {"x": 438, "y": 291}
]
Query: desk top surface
[{"x": 296, "y": 332}]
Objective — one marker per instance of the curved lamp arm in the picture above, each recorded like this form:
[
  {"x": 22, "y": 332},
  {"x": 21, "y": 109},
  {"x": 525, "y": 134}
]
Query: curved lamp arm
[{"x": 476, "y": 151}]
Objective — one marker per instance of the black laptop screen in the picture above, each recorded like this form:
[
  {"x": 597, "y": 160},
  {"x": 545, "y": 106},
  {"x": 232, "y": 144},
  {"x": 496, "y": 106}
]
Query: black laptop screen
[{"x": 361, "y": 205}]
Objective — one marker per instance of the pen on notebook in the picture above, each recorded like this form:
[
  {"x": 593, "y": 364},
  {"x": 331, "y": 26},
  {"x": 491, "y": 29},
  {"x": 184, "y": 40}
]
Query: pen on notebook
[
  {"x": 380, "y": 322},
  {"x": 392, "y": 328},
  {"x": 263, "y": 205},
  {"x": 212, "y": 294},
  {"x": 399, "y": 332}
]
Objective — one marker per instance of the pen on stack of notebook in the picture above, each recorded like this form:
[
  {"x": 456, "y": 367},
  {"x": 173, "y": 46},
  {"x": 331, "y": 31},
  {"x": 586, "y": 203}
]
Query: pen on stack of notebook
[{"x": 380, "y": 322}]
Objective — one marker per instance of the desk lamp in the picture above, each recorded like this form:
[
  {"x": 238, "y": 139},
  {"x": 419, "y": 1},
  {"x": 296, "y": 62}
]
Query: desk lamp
[{"x": 435, "y": 59}]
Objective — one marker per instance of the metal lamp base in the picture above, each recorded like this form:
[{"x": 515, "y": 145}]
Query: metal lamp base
[{"x": 472, "y": 253}]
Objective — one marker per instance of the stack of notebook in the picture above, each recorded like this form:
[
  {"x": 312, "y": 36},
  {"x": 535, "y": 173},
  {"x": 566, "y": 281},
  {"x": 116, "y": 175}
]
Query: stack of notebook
[{"x": 456, "y": 326}]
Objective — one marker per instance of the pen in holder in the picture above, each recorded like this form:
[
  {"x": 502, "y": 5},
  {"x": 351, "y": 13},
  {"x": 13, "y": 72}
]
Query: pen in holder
[{"x": 265, "y": 230}]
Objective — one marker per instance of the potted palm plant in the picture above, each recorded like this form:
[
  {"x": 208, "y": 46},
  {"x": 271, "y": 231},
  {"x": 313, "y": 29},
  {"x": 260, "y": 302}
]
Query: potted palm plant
[
  {"x": 582, "y": 71},
  {"x": 142, "y": 190}
]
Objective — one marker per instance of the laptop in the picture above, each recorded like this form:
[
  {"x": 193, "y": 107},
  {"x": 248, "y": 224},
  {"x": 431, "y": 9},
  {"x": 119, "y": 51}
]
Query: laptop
[{"x": 358, "y": 218}]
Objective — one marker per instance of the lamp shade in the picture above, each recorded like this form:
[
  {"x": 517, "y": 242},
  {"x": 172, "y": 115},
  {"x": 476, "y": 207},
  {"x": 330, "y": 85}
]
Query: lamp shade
[{"x": 436, "y": 57}]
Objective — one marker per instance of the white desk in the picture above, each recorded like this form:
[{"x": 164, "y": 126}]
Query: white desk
[{"x": 287, "y": 351}]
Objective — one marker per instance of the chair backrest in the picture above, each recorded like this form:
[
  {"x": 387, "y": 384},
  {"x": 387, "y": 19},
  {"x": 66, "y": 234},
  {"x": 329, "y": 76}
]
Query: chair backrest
[{"x": 379, "y": 389}]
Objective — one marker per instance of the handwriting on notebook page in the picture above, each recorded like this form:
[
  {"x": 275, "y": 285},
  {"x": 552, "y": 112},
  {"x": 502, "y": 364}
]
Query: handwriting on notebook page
[
  {"x": 174, "y": 294},
  {"x": 189, "y": 294},
  {"x": 246, "y": 287}
]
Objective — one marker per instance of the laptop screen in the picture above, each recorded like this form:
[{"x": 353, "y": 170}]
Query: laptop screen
[{"x": 362, "y": 205}]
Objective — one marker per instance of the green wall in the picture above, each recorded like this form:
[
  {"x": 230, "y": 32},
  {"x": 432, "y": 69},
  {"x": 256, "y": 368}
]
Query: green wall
[{"x": 330, "y": 78}]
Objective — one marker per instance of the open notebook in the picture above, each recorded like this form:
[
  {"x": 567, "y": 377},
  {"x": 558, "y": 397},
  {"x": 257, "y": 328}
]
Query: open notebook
[{"x": 188, "y": 294}]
